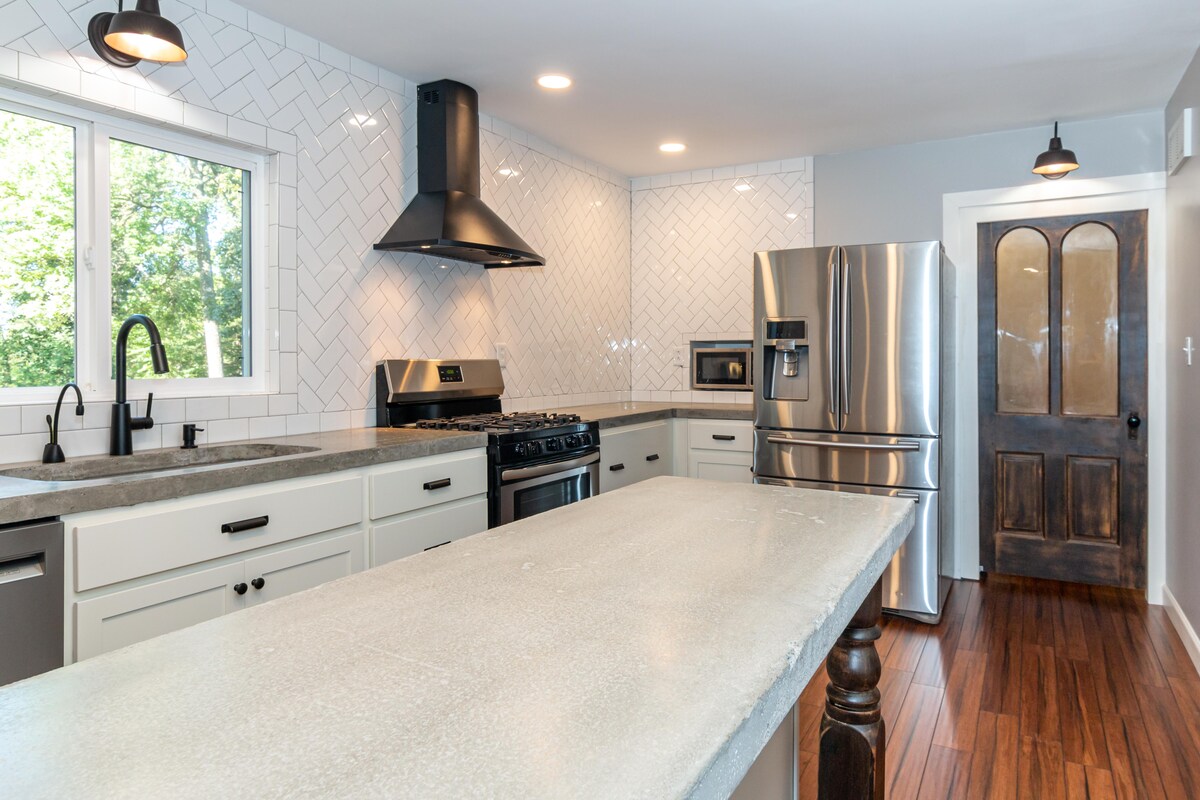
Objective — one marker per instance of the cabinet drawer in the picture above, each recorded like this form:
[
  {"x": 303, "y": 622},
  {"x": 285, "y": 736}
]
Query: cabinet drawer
[
  {"x": 134, "y": 615},
  {"x": 130, "y": 544},
  {"x": 714, "y": 465},
  {"x": 422, "y": 530},
  {"x": 428, "y": 482},
  {"x": 634, "y": 453},
  {"x": 721, "y": 434}
]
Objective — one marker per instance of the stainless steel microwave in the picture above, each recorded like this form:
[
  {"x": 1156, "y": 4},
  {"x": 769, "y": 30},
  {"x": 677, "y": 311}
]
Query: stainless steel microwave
[{"x": 724, "y": 366}]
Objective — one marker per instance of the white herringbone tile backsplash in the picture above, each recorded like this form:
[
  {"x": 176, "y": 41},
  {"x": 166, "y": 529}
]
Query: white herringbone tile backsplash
[
  {"x": 634, "y": 269},
  {"x": 342, "y": 134},
  {"x": 693, "y": 238}
]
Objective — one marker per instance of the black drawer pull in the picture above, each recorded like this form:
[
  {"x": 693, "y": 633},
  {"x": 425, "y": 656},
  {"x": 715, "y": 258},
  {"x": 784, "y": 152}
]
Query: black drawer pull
[
  {"x": 435, "y": 547},
  {"x": 442, "y": 484},
  {"x": 245, "y": 524},
  {"x": 724, "y": 437},
  {"x": 653, "y": 457},
  {"x": 616, "y": 468}
]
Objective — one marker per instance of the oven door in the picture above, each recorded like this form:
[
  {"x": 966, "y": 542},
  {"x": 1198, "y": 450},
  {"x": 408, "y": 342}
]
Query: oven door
[{"x": 525, "y": 491}]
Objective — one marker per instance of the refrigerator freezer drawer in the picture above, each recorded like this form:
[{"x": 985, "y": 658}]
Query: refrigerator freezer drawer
[
  {"x": 901, "y": 461},
  {"x": 912, "y": 585}
]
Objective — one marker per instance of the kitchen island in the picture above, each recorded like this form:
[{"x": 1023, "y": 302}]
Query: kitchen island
[{"x": 643, "y": 643}]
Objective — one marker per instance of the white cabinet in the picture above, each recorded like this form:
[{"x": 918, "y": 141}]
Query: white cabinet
[
  {"x": 122, "y": 618},
  {"x": 633, "y": 453},
  {"x": 114, "y": 620},
  {"x": 302, "y": 567},
  {"x": 150, "y": 569},
  {"x": 721, "y": 450},
  {"x": 427, "y": 503},
  {"x": 714, "y": 465}
]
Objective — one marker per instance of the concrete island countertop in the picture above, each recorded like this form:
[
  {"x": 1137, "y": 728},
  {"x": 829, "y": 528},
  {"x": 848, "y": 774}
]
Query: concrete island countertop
[
  {"x": 22, "y": 499},
  {"x": 644, "y": 643}
]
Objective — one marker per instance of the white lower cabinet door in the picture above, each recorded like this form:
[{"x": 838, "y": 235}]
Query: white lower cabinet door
[
  {"x": 134, "y": 615},
  {"x": 718, "y": 465},
  {"x": 298, "y": 568},
  {"x": 424, "y": 530}
]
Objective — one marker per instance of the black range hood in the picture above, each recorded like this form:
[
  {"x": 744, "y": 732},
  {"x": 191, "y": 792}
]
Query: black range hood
[{"x": 447, "y": 219}]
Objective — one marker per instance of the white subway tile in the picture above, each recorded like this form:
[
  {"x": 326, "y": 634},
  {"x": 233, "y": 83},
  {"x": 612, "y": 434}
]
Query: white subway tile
[
  {"x": 249, "y": 406},
  {"x": 208, "y": 408},
  {"x": 48, "y": 74},
  {"x": 282, "y": 404},
  {"x": 10, "y": 420},
  {"x": 228, "y": 430},
  {"x": 268, "y": 427},
  {"x": 303, "y": 423},
  {"x": 336, "y": 420}
]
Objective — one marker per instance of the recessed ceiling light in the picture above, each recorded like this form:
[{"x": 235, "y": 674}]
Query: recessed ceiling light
[
  {"x": 743, "y": 187},
  {"x": 554, "y": 81},
  {"x": 672, "y": 147},
  {"x": 426, "y": 246}
]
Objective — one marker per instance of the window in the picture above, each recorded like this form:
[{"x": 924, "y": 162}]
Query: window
[{"x": 102, "y": 219}]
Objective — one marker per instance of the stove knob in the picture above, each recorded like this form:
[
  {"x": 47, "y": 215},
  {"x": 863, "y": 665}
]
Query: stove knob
[
  {"x": 573, "y": 440},
  {"x": 554, "y": 444},
  {"x": 519, "y": 449},
  {"x": 534, "y": 448},
  {"x": 585, "y": 439}
]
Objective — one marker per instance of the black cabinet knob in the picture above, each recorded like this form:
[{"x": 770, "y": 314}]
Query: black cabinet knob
[
  {"x": 240, "y": 588},
  {"x": 1134, "y": 421},
  {"x": 258, "y": 583}
]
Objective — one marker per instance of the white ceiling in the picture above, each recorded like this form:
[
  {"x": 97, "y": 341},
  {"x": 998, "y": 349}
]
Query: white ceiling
[{"x": 755, "y": 80}]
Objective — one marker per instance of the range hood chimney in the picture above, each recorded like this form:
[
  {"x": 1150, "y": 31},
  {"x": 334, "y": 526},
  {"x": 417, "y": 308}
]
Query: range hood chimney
[{"x": 447, "y": 219}]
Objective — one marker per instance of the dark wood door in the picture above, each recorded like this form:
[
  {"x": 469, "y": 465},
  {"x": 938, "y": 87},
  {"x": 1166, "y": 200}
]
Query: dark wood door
[{"x": 1062, "y": 398}]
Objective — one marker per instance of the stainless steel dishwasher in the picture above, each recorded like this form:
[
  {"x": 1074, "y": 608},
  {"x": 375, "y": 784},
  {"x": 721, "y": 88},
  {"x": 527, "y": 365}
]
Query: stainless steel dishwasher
[{"x": 31, "y": 599}]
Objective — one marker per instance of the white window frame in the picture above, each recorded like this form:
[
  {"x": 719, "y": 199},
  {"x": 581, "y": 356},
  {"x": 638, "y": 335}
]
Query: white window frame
[{"x": 93, "y": 273}]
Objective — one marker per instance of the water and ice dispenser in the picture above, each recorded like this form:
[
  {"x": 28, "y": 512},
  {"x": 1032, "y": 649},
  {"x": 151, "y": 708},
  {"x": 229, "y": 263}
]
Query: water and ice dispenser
[{"x": 785, "y": 359}]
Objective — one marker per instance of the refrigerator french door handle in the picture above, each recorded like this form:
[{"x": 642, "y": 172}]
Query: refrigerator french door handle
[
  {"x": 831, "y": 342},
  {"x": 845, "y": 337},
  {"x": 902, "y": 444}
]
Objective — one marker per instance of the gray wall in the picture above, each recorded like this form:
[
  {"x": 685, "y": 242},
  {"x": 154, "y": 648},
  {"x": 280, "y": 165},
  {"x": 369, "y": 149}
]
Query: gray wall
[
  {"x": 894, "y": 194},
  {"x": 1183, "y": 382}
]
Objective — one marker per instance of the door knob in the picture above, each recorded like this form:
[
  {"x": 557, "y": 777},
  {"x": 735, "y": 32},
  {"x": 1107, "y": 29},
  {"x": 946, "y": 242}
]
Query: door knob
[{"x": 1134, "y": 422}]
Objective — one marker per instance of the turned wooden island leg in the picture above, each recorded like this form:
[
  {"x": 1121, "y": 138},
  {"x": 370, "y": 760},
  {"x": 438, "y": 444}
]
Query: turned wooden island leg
[{"x": 851, "y": 764}]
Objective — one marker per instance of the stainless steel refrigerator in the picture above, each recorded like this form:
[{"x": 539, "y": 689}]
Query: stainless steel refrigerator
[{"x": 853, "y": 377}]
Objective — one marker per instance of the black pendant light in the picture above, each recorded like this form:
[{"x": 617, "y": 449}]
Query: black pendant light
[
  {"x": 1055, "y": 162},
  {"x": 127, "y": 37}
]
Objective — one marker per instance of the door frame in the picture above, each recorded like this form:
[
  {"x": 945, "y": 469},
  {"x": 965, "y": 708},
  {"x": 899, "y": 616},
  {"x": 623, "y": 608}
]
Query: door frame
[{"x": 961, "y": 214}]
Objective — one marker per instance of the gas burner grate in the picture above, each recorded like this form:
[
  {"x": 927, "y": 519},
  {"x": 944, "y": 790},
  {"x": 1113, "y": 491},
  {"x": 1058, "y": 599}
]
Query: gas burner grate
[{"x": 524, "y": 421}]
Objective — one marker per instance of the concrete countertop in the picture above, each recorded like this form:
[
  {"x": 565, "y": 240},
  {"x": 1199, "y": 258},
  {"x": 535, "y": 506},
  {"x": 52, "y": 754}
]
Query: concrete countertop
[
  {"x": 644, "y": 643},
  {"x": 22, "y": 499},
  {"x": 612, "y": 415}
]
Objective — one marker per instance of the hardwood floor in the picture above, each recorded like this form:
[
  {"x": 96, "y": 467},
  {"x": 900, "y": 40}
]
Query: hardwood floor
[{"x": 1032, "y": 689}]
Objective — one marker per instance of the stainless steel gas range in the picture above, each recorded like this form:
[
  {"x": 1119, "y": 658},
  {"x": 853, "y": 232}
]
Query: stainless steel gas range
[{"x": 536, "y": 461}]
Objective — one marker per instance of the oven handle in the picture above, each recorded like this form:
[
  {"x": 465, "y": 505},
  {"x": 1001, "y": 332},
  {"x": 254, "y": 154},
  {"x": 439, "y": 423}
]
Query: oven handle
[
  {"x": 538, "y": 471},
  {"x": 903, "y": 444}
]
